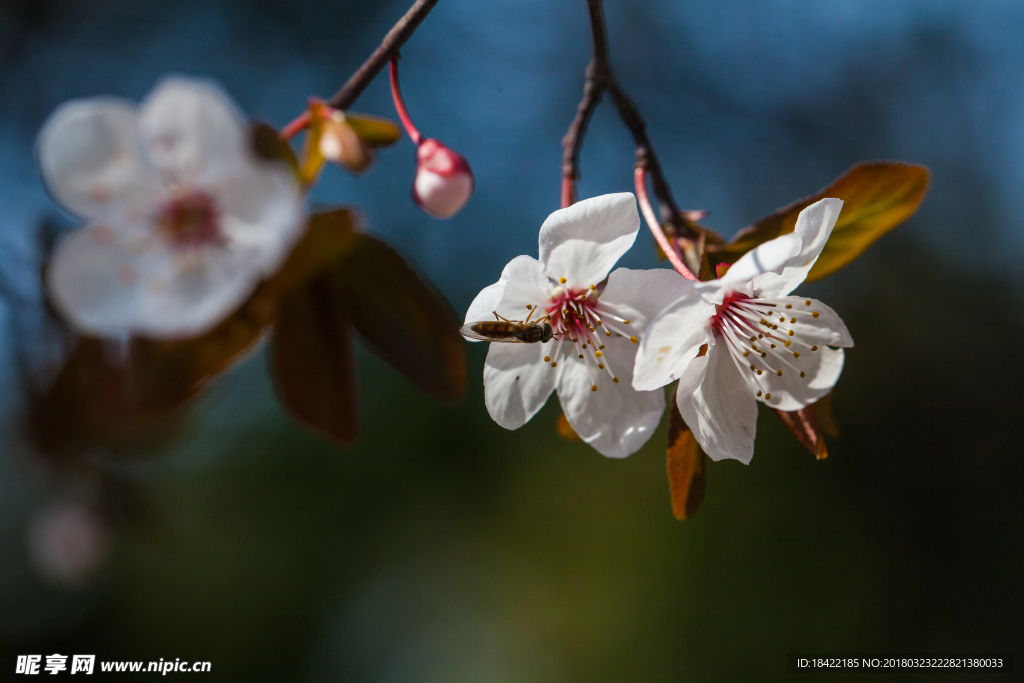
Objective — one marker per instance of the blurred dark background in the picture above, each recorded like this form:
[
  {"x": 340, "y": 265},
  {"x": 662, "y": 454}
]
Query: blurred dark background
[{"x": 443, "y": 548}]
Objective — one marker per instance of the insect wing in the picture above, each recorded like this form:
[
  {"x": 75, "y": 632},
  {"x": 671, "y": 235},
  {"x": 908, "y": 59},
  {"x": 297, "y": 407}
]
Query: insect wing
[{"x": 468, "y": 332}]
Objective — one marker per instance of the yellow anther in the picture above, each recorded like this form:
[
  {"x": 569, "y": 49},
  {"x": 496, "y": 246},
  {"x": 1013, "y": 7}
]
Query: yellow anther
[
  {"x": 632, "y": 340},
  {"x": 593, "y": 388},
  {"x": 764, "y": 355},
  {"x": 760, "y": 336},
  {"x": 759, "y": 372},
  {"x": 787, "y": 343},
  {"x": 599, "y": 353},
  {"x": 796, "y": 354},
  {"x": 581, "y": 355},
  {"x": 746, "y": 353},
  {"x": 547, "y": 359},
  {"x": 763, "y": 321},
  {"x": 753, "y": 339},
  {"x": 607, "y": 333},
  {"x": 814, "y": 348},
  {"x": 584, "y": 345},
  {"x": 768, "y": 396},
  {"x": 789, "y": 305},
  {"x": 574, "y": 340},
  {"x": 600, "y": 366},
  {"x": 601, "y": 346},
  {"x": 562, "y": 280},
  {"x": 528, "y": 306},
  {"x": 615, "y": 379},
  {"x": 758, "y": 393},
  {"x": 773, "y": 346},
  {"x": 808, "y": 302},
  {"x": 779, "y": 373},
  {"x": 600, "y": 322},
  {"x": 791, "y": 333},
  {"x": 803, "y": 374},
  {"x": 792, "y": 320},
  {"x": 782, "y": 319},
  {"x": 554, "y": 364},
  {"x": 752, "y": 367},
  {"x": 815, "y": 314},
  {"x": 593, "y": 287}
]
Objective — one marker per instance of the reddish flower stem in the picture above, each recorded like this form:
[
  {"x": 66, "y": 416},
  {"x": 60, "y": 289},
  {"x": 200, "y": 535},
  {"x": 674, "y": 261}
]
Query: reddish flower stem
[
  {"x": 296, "y": 126},
  {"x": 568, "y": 191},
  {"x": 403, "y": 113},
  {"x": 674, "y": 257}
]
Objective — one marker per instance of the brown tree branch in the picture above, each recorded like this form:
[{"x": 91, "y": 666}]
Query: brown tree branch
[
  {"x": 599, "y": 79},
  {"x": 389, "y": 47}
]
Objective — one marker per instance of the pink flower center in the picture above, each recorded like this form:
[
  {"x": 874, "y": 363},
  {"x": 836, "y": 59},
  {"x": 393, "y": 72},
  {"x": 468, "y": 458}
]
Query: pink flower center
[
  {"x": 581, "y": 326},
  {"x": 762, "y": 336},
  {"x": 190, "y": 220}
]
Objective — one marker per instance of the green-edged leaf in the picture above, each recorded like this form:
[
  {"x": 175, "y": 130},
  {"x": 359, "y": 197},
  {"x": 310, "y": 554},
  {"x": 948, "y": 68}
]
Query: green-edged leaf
[
  {"x": 268, "y": 145},
  {"x": 312, "y": 359},
  {"x": 685, "y": 466},
  {"x": 404, "y": 319},
  {"x": 877, "y": 197},
  {"x": 803, "y": 424},
  {"x": 373, "y": 130}
]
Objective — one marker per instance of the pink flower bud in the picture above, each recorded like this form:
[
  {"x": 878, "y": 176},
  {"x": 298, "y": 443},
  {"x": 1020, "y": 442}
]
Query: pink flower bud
[{"x": 443, "y": 182}]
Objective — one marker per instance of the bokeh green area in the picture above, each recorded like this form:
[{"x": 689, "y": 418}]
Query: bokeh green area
[{"x": 444, "y": 548}]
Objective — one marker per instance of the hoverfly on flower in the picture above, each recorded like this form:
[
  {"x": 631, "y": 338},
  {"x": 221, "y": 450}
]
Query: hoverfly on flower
[{"x": 514, "y": 331}]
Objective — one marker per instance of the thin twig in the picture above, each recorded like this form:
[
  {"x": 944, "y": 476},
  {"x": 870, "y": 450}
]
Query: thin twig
[
  {"x": 388, "y": 49},
  {"x": 599, "y": 79}
]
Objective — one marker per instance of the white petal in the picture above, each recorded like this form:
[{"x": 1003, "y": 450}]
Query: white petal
[
  {"x": 190, "y": 128},
  {"x": 672, "y": 340},
  {"x": 262, "y": 212},
  {"x": 813, "y": 227},
  {"x": 769, "y": 256},
  {"x": 792, "y": 392},
  {"x": 616, "y": 419},
  {"x": 91, "y": 162},
  {"x": 722, "y": 411},
  {"x": 130, "y": 283},
  {"x": 827, "y": 329},
  {"x": 640, "y": 295},
  {"x": 517, "y": 382},
  {"x": 526, "y": 286},
  {"x": 486, "y": 302},
  {"x": 582, "y": 242}
]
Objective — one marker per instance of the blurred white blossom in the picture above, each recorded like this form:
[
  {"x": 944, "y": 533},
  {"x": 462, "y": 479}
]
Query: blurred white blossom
[
  {"x": 68, "y": 543},
  {"x": 182, "y": 219}
]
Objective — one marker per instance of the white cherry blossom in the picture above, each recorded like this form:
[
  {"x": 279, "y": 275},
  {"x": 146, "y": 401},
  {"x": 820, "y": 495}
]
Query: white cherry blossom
[
  {"x": 742, "y": 338},
  {"x": 597, "y": 319},
  {"x": 182, "y": 219}
]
